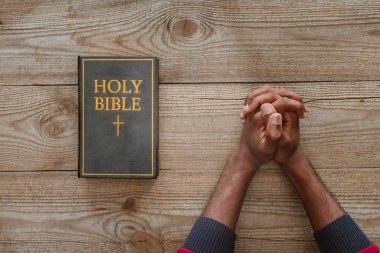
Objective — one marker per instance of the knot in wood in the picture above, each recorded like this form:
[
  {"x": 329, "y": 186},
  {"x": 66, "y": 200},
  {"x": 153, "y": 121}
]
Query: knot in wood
[
  {"x": 60, "y": 121},
  {"x": 129, "y": 204},
  {"x": 185, "y": 31},
  {"x": 185, "y": 27},
  {"x": 52, "y": 127}
]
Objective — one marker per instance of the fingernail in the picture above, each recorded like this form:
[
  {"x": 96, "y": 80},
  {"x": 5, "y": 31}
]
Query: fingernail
[
  {"x": 245, "y": 108},
  {"x": 276, "y": 120},
  {"x": 242, "y": 114},
  {"x": 306, "y": 108},
  {"x": 267, "y": 110},
  {"x": 242, "y": 121}
]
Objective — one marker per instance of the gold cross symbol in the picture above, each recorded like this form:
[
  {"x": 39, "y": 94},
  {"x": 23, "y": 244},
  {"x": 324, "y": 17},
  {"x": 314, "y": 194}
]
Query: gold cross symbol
[{"x": 118, "y": 123}]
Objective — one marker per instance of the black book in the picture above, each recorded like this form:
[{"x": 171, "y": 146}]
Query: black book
[{"x": 118, "y": 110}]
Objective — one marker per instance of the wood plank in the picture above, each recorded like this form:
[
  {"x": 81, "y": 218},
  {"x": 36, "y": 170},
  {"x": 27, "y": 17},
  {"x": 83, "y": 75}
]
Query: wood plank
[
  {"x": 49, "y": 209},
  {"x": 55, "y": 211},
  {"x": 38, "y": 128},
  {"x": 222, "y": 41},
  {"x": 198, "y": 125}
]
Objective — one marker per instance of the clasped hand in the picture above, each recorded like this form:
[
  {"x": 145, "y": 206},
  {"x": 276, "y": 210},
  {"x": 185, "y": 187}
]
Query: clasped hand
[{"x": 271, "y": 126}]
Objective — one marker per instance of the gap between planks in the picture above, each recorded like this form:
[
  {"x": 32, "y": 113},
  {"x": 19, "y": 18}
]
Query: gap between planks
[{"x": 191, "y": 83}]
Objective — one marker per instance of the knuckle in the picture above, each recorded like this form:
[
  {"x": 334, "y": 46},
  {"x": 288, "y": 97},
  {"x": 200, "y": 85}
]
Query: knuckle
[
  {"x": 276, "y": 135},
  {"x": 256, "y": 117},
  {"x": 267, "y": 88},
  {"x": 285, "y": 99},
  {"x": 286, "y": 141},
  {"x": 264, "y": 105}
]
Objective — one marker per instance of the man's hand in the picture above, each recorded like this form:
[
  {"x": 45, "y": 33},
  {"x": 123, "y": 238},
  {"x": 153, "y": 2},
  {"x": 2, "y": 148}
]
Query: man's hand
[
  {"x": 259, "y": 138},
  {"x": 271, "y": 130},
  {"x": 282, "y": 99},
  {"x": 319, "y": 204},
  {"x": 285, "y": 146},
  {"x": 258, "y": 143},
  {"x": 289, "y": 147}
]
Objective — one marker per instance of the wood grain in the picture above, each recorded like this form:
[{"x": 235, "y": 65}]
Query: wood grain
[
  {"x": 220, "y": 41},
  {"x": 38, "y": 128},
  {"x": 198, "y": 125},
  {"x": 56, "y": 209},
  {"x": 212, "y": 53},
  {"x": 45, "y": 207}
]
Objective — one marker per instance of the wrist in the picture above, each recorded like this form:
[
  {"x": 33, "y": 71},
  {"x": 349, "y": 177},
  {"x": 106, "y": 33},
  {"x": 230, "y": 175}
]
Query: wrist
[
  {"x": 243, "y": 161},
  {"x": 295, "y": 163}
]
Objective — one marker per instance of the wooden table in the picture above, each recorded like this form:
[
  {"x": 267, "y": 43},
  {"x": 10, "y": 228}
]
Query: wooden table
[{"x": 212, "y": 54}]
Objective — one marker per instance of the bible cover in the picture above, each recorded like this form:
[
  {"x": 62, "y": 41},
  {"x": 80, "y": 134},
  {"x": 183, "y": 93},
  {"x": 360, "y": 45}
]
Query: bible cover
[{"x": 118, "y": 105}]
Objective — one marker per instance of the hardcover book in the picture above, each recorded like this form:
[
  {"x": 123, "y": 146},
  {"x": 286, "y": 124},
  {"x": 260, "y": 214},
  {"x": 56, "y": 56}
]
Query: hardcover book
[{"x": 118, "y": 110}]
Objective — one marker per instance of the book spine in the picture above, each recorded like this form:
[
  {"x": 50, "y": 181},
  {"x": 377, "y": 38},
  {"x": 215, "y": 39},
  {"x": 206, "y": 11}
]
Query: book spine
[
  {"x": 80, "y": 116},
  {"x": 157, "y": 117}
]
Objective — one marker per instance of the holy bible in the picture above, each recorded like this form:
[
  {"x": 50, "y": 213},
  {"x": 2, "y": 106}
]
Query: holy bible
[{"x": 118, "y": 110}]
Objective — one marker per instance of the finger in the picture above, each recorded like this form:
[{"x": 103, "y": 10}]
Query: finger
[
  {"x": 292, "y": 95},
  {"x": 255, "y": 104},
  {"x": 273, "y": 130},
  {"x": 289, "y": 105},
  {"x": 281, "y": 91},
  {"x": 250, "y": 96},
  {"x": 255, "y": 93},
  {"x": 259, "y": 93},
  {"x": 290, "y": 128},
  {"x": 290, "y": 121},
  {"x": 267, "y": 109}
]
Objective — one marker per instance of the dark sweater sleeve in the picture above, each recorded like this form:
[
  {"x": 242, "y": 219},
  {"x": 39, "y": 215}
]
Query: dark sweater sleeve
[
  {"x": 209, "y": 236},
  {"x": 341, "y": 236}
]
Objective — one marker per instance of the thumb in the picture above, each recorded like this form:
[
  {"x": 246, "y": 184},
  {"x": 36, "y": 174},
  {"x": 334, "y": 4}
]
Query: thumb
[{"x": 274, "y": 128}]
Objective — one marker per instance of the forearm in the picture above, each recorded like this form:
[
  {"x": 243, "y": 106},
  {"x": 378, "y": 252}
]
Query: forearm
[
  {"x": 227, "y": 199},
  {"x": 335, "y": 232},
  {"x": 320, "y": 206},
  {"x": 214, "y": 230}
]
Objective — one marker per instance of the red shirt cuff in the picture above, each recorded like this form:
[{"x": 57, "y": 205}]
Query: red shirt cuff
[
  {"x": 371, "y": 249},
  {"x": 182, "y": 250}
]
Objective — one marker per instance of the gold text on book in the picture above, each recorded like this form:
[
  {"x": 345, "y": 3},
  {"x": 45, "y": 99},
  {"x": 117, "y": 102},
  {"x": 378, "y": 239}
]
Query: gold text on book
[{"x": 110, "y": 88}]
